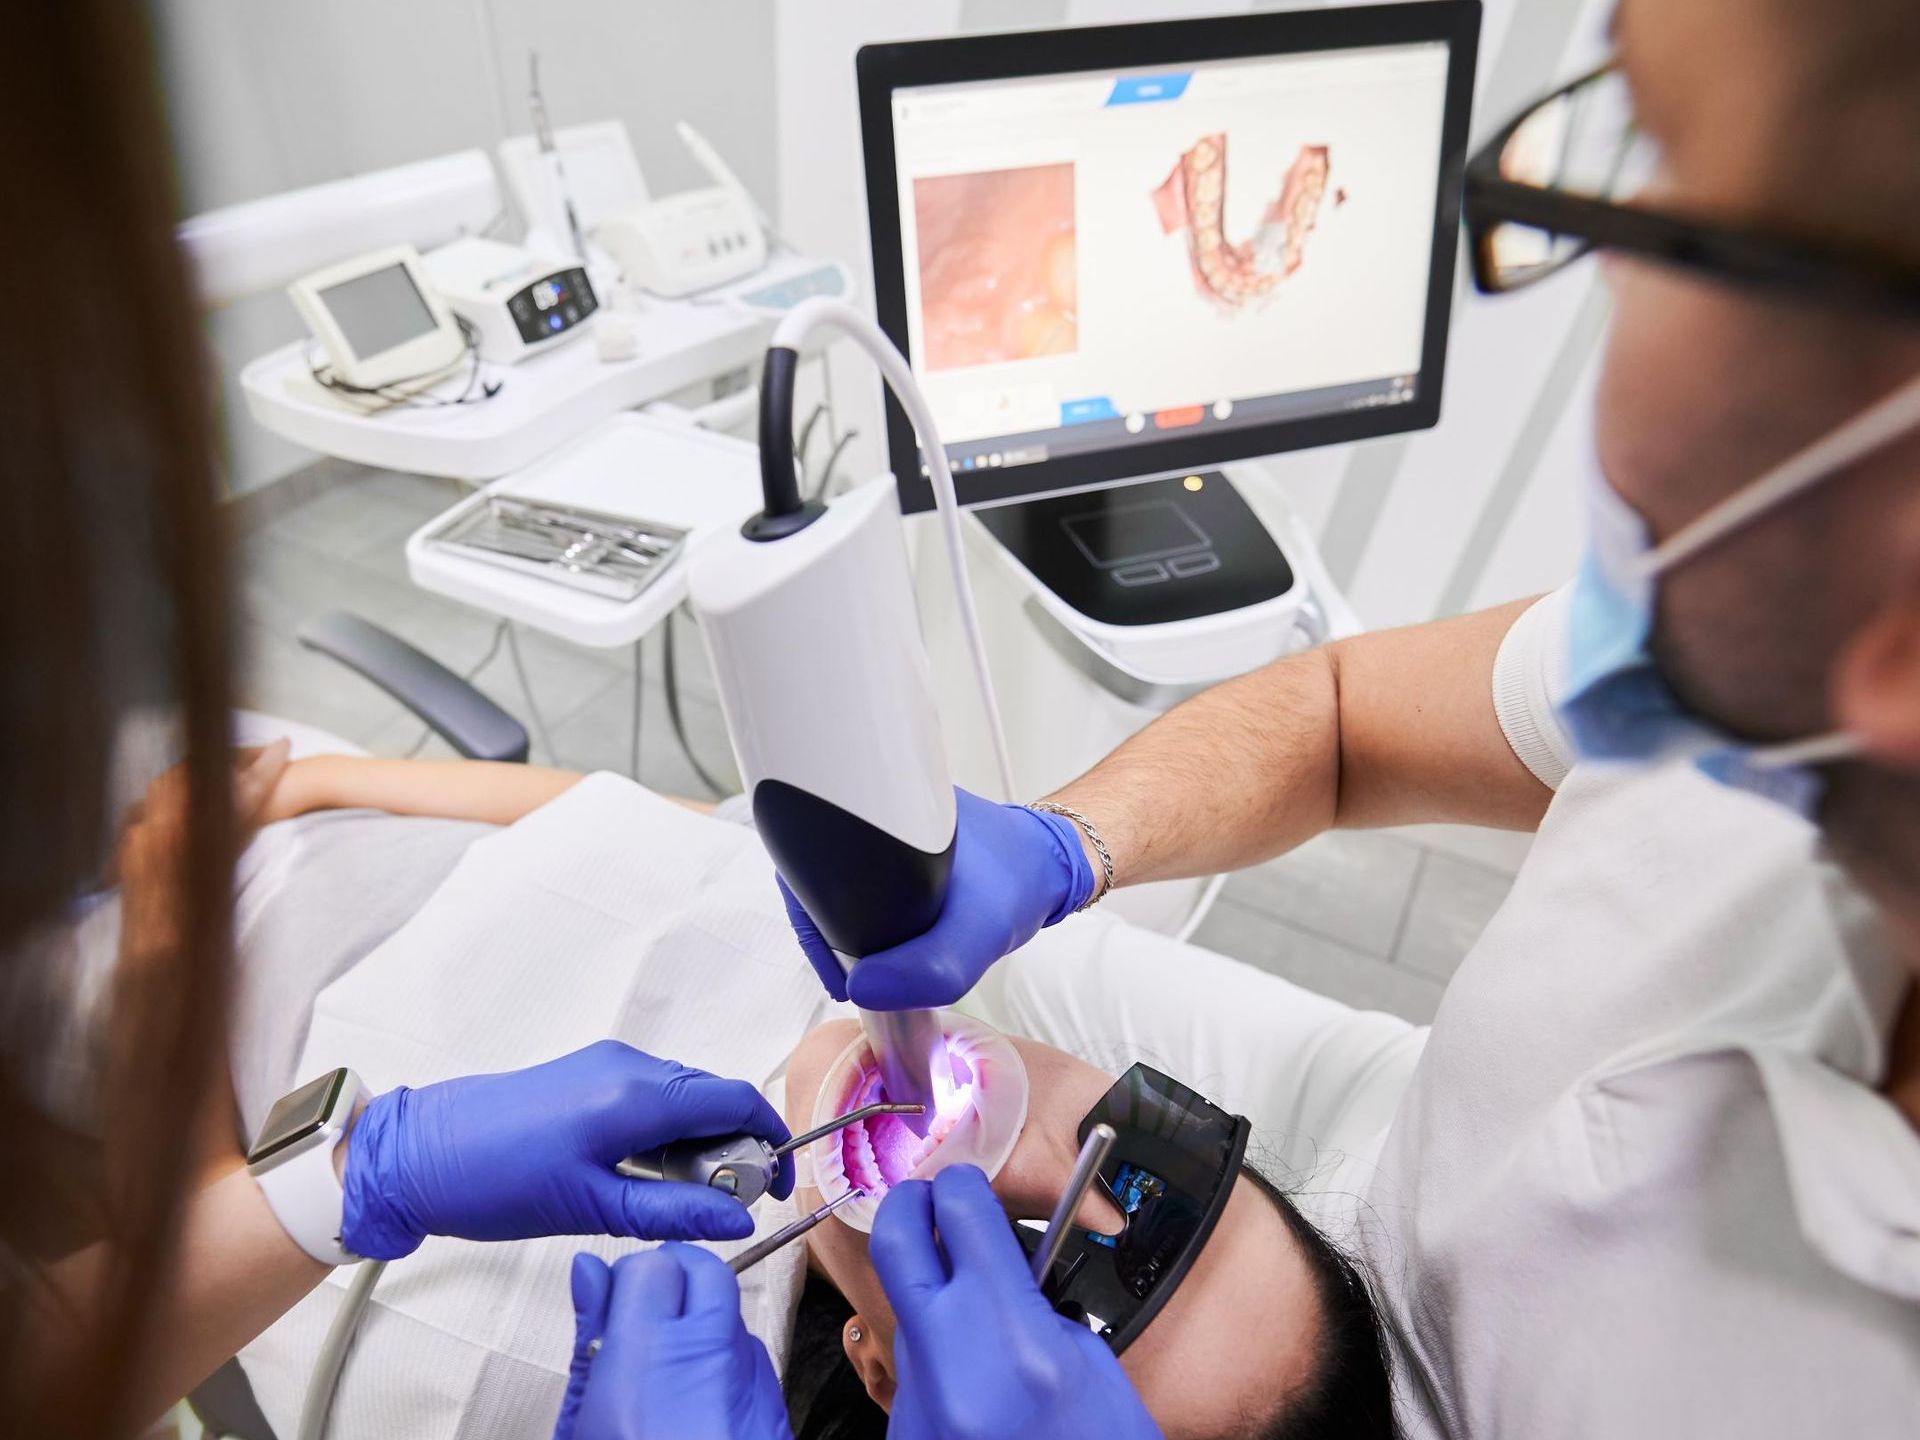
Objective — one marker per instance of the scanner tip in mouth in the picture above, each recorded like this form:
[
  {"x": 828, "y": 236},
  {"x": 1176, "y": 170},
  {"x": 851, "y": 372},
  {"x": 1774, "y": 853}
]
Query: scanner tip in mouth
[{"x": 980, "y": 1105}]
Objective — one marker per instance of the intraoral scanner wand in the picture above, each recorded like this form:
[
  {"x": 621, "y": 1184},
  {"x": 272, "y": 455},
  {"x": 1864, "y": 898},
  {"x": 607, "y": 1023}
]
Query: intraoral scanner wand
[
  {"x": 906, "y": 1045},
  {"x": 1086, "y": 1170},
  {"x": 809, "y": 614}
]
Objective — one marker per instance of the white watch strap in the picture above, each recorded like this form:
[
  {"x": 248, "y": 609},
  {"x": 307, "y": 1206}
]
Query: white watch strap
[{"x": 305, "y": 1194}]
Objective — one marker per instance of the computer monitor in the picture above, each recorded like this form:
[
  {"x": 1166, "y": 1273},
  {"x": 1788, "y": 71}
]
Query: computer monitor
[{"x": 1127, "y": 251}]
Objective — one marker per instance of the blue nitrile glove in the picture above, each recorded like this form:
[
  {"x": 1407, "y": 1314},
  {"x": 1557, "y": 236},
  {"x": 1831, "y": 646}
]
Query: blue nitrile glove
[
  {"x": 1015, "y": 870},
  {"x": 977, "y": 1349},
  {"x": 592, "y": 1285},
  {"x": 531, "y": 1152},
  {"x": 675, "y": 1361}
]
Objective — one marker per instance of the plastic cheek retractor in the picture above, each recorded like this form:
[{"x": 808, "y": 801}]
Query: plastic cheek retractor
[{"x": 980, "y": 1107}]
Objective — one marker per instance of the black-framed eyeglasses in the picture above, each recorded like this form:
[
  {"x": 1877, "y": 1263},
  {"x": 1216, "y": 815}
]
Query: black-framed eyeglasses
[
  {"x": 1170, "y": 1173},
  {"x": 1562, "y": 179}
]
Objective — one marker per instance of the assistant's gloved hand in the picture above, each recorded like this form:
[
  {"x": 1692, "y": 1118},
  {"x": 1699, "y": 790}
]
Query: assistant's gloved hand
[
  {"x": 978, "y": 1351},
  {"x": 531, "y": 1152},
  {"x": 1015, "y": 870},
  {"x": 675, "y": 1359}
]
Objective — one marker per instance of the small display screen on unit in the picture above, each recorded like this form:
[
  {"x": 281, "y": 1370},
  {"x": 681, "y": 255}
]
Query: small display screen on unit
[
  {"x": 379, "y": 310},
  {"x": 297, "y": 1115},
  {"x": 552, "y": 305}
]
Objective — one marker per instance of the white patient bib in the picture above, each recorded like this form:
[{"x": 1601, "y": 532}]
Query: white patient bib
[{"x": 608, "y": 912}]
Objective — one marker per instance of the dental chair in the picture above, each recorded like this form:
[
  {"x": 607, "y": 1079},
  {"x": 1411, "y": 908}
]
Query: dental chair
[
  {"x": 468, "y": 721},
  {"x": 448, "y": 705}
]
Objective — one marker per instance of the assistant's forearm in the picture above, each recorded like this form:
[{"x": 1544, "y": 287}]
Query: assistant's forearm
[
  {"x": 238, "y": 1272},
  {"x": 487, "y": 791},
  {"x": 1232, "y": 777}
]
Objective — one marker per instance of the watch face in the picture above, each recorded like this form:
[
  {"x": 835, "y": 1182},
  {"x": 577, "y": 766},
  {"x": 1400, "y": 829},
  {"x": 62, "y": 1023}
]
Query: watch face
[{"x": 297, "y": 1115}]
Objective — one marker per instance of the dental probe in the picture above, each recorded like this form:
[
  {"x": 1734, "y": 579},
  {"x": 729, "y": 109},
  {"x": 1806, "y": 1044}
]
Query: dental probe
[
  {"x": 754, "y": 1254},
  {"x": 1086, "y": 1170},
  {"x": 786, "y": 1234},
  {"x": 742, "y": 1165}
]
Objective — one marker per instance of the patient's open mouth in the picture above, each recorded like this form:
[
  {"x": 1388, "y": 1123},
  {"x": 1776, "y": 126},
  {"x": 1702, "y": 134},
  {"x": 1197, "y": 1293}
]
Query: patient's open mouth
[
  {"x": 881, "y": 1152},
  {"x": 980, "y": 1104}
]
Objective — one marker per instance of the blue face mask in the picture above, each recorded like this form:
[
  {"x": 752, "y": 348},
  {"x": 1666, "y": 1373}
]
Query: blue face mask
[{"x": 1617, "y": 705}]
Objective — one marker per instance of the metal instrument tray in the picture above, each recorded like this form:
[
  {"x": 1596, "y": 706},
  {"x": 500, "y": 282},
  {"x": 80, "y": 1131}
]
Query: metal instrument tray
[{"x": 615, "y": 556}]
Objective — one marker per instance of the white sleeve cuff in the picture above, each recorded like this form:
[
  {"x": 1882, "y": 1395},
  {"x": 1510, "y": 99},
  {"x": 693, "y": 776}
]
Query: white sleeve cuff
[{"x": 1528, "y": 675}]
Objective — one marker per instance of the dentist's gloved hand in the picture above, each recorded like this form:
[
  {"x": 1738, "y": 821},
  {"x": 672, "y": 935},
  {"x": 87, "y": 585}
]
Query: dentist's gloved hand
[
  {"x": 675, "y": 1359},
  {"x": 531, "y": 1152},
  {"x": 978, "y": 1351},
  {"x": 1015, "y": 871}
]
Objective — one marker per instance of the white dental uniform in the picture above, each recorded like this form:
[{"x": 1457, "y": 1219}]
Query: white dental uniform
[
  {"x": 607, "y": 912},
  {"x": 1637, "y": 1182}
]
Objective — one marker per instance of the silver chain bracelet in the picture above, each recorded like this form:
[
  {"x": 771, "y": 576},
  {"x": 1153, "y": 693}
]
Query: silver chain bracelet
[{"x": 1093, "y": 839}]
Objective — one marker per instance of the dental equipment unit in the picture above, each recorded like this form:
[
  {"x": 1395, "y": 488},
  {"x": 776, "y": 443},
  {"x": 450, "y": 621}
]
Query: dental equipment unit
[
  {"x": 742, "y": 1165},
  {"x": 808, "y": 613}
]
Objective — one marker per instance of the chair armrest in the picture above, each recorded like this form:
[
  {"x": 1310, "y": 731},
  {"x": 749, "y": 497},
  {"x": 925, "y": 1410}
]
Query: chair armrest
[{"x": 467, "y": 720}]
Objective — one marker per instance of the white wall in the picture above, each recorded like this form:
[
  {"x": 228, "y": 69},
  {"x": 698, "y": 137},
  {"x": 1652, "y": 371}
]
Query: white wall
[
  {"x": 1481, "y": 509},
  {"x": 270, "y": 95}
]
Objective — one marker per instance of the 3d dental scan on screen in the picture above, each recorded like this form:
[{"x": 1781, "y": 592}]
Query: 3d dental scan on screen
[{"x": 1093, "y": 746}]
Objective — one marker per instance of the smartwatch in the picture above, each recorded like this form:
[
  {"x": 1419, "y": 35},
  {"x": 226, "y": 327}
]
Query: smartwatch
[{"x": 292, "y": 1161}]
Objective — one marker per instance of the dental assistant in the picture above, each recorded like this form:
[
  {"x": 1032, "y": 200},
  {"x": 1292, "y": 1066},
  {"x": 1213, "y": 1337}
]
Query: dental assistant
[
  {"x": 1657, "y": 1171},
  {"x": 128, "y": 1269}
]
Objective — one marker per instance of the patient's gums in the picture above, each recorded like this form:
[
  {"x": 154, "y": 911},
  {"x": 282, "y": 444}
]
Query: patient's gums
[
  {"x": 998, "y": 269},
  {"x": 1192, "y": 199}
]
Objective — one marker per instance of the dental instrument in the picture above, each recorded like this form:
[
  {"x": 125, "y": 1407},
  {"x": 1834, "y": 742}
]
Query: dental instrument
[
  {"x": 550, "y": 154},
  {"x": 613, "y": 556},
  {"x": 809, "y": 615},
  {"x": 741, "y": 1164},
  {"x": 1086, "y": 1170},
  {"x": 787, "y": 1234}
]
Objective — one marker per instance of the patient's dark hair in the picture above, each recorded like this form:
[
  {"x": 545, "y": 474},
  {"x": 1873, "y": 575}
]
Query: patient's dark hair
[
  {"x": 1350, "y": 1395},
  {"x": 825, "y": 1397}
]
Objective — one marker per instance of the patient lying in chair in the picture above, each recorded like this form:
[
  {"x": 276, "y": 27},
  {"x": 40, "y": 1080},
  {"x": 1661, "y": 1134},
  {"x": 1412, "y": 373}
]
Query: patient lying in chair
[{"x": 423, "y": 947}]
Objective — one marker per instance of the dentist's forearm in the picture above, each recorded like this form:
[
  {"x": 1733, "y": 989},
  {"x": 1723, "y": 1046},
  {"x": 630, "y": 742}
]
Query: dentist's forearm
[
  {"x": 1392, "y": 727},
  {"x": 1243, "y": 772}
]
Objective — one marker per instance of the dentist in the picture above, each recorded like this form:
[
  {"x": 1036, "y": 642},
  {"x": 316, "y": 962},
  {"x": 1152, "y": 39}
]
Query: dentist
[{"x": 1657, "y": 1171}]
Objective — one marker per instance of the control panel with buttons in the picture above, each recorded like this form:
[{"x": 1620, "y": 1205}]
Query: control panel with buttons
[
  {"x": 1148, "y": 553},
  {"x": 684, "y": 243}
]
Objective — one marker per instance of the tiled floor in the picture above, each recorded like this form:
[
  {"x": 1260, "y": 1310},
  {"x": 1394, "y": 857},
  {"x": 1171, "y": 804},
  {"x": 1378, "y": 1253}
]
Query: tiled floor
[{"x": 1379, "y": 919}]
